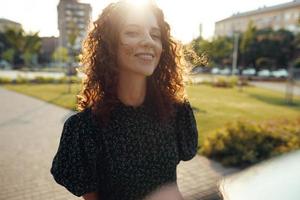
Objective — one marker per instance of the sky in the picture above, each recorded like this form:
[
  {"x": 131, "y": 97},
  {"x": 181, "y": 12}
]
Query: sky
[{"x": 184, "y": 16}]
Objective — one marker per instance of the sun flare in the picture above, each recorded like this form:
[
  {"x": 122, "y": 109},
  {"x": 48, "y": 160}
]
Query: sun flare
[{"x": 139, "y": 3}]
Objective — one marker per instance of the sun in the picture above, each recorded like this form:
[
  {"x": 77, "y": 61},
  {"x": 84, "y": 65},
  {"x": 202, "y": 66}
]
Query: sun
[{"x": 140, "y": 3}]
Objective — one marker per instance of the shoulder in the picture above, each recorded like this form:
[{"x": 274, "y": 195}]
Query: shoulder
[
  {"x": 78, "y": 117},
  {"x": 78, "y": 123},
  {"x": 184, "y": 114},
  {"x": 183, "y": 107}
]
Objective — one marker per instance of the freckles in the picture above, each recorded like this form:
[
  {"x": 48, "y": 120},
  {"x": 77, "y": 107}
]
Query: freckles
[{"x": 128, "y": 50}]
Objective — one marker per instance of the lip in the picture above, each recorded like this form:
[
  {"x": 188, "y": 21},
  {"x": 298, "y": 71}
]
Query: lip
[{"x": 144, "y": 54}]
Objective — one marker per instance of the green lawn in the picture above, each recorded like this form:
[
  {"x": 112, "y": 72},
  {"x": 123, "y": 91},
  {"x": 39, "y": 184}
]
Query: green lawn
[
  {"x": 53, "y": 93},
  {"x": 216, "y": 106},
  {"x": 213, "y": 106}
]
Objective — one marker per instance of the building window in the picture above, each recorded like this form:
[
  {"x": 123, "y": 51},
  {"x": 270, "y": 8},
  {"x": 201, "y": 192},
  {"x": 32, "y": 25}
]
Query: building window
[
  {"x": 80, "y": 13},
  {"x": 287, "y": 16}
]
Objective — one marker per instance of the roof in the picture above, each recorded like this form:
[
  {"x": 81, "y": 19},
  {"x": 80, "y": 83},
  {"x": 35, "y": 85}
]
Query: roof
[{"x": 264, "y": 10}]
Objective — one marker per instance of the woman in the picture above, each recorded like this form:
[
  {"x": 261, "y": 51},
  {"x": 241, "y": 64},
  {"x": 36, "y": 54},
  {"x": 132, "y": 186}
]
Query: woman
[{"x": 135, "y": 124}]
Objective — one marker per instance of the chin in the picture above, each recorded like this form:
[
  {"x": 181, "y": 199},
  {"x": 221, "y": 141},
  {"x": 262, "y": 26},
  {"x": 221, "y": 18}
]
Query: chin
[{"x": 147, "y": 71}]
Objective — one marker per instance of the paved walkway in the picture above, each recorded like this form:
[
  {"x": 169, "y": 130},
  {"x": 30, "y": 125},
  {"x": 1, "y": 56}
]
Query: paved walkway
[{"x": 30, "y": 131}]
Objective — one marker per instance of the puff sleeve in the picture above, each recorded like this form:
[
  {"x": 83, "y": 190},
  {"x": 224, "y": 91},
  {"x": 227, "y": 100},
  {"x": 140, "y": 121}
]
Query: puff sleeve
[
  {"x": 74, "y": 165},
  {"x": 187, "y": 134}
]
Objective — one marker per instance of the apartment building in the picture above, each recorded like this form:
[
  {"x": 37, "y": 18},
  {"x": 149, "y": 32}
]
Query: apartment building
[
  {"x": 73, "y": 20},
  {"x": 282, "y": 16}
]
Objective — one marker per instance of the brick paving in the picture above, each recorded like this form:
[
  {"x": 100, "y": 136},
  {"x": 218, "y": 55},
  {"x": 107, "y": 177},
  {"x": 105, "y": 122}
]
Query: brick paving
[{"x": 30, "y": 130}]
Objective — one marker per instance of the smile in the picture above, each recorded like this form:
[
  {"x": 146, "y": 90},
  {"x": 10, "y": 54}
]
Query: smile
[{"x": 145, "y": 56}]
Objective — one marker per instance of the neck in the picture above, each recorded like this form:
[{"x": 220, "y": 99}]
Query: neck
[{"x": 131, "y": 88}]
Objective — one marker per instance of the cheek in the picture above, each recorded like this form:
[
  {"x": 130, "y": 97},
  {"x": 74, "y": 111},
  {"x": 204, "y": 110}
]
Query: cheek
[
  {"x": 159, "y": 48},
  {"x": 126, "y": 49}
]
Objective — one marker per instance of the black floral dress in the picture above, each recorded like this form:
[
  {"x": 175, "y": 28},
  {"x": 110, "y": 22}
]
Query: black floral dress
[{"x": 128, "y": 159}]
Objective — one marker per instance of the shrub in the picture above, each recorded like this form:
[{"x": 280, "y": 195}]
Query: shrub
[
  {"x": 41, "y": 79},
  {"x": 66, "y": 79},
  {"x": 245, "y": 143},
  {"x": 21, "y": 79},
  {"x": 75, "y": 79},
  {"x": 5, "y": 80},
  {"x": 226, "y": 82}
]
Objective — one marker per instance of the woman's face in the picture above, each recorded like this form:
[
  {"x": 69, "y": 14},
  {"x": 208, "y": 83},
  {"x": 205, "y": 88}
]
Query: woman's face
[{"x": 140, "y": 45}]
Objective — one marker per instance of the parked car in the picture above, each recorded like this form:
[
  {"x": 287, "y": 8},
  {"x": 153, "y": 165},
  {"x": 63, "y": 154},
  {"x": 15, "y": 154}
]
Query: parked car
[
  {"x": 248, "y": 72},
  {"x": 225, "y": 71},
  {"x": 280, "y": 73},
  {"x": 264, "y": 73},
  {"x": 215, "y": 70}
]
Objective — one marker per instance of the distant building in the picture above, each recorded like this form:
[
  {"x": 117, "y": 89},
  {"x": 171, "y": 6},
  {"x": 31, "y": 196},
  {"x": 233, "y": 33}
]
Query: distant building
[
  {"x": 8, "y": 24},
  {"x": 49, "y": 44},
  {"x": 282, "y": 16},
  {"x": 73, "y": 19}
]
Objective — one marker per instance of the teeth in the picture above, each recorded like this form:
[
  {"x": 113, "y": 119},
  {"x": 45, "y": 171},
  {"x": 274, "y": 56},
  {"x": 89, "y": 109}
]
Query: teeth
[{"x": 145, "y": 56}]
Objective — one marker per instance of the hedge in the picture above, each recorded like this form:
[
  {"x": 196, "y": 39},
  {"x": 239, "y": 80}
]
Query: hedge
[{"x": 245, "y": 143}]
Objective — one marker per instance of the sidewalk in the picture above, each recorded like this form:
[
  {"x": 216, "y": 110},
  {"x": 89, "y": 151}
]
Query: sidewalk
[{"x": 30, "y": 130}]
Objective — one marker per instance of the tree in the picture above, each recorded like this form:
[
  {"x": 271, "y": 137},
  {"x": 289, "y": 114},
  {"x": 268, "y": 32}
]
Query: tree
[
  {"x": 15, "y": 41},
  {"x": 286, "y": 46},
  {"x": 20, "y": 48},
  {"x": 248, "y": 46},
  {"x": 32, "y": 46},
  {"x": 217, "y": 51},
  {"x": 8, "y": 55},
  {"x": 222, "y": 48},
  {"x": 60, "y": 55}
]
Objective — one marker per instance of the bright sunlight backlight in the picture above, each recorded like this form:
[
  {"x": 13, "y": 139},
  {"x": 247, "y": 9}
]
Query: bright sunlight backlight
[{"x": 139, "y": 3}]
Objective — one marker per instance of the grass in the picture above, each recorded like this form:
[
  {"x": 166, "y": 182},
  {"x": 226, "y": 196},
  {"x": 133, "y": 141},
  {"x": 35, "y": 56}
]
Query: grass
[
  {"x": 213, "y": 107},
  {"x": 53, "y": 93}
]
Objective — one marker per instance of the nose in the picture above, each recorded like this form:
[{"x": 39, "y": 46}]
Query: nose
[{"x": 147, "y": 40}]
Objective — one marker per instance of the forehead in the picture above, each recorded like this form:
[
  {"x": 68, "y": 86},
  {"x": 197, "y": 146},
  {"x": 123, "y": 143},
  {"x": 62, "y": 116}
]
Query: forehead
[{"x": 144, "y": 18}]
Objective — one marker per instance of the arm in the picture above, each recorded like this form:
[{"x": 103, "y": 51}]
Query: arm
[{"x": 90, "y": 196}]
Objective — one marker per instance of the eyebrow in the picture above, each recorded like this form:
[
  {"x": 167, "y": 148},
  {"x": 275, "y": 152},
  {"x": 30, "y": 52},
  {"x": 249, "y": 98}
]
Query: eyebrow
[{"x": 153, "y": 27}]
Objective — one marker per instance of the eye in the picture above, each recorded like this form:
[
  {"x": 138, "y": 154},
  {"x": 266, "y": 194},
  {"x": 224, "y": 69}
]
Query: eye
[
  {"x": 131, "y": 33},
  {"x": 156, "y": 36}
]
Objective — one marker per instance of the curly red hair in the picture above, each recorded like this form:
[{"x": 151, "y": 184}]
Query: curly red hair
[{"x": 165, "y": 86}]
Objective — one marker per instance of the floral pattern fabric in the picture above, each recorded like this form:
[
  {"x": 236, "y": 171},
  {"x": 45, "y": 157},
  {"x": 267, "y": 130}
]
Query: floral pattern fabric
[{"x": 128, "y": 159}]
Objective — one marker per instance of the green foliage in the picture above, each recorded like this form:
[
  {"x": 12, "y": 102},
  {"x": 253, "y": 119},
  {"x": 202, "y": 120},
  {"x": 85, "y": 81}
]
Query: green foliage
[
  {"x": 72, "y": 79},
  {"x": 60, "y": 55},
  {"x": 248, "y": 49},
  {"x": 21, "y": 80},
  {"x": 8, "y": 55},
  {"x": 245, "y": 143},
  {"x": 5, "y": 80},
  {"x": 297, "y": 63},
  {"x": 257, "y": 48},
  {"x": 227, "y": 81},
  {"x": 40, "y": 80},
  {"x": 32, "y": 46},
  {"x": 19, "y": 47},
  {"x": 217, "y": 51},
  {"x": 264, "y": 62},
  {"x": 192, "y": 58}
]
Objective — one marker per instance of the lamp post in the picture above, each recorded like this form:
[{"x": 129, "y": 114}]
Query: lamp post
[
  {"x": 235, "y": 52},
  {"x": 235, "y": 58}
]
